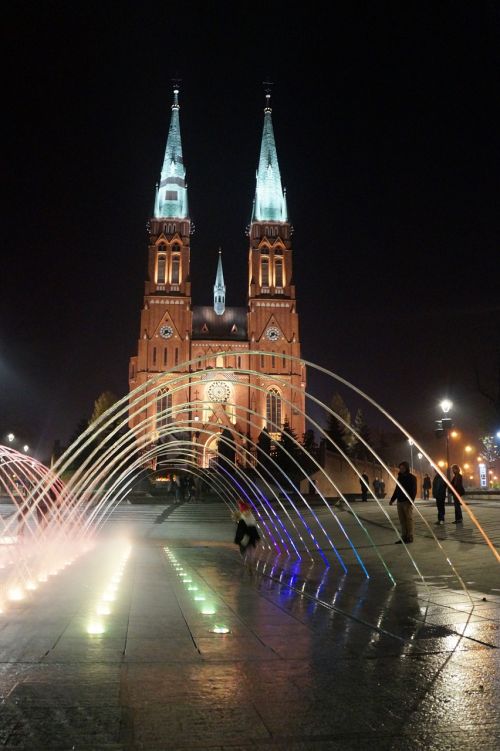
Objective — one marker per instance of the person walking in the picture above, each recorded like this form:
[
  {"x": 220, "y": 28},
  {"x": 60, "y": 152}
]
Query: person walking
[
  {"x": 426, "y": 487},
  {"x": 365, "y": 484},
  {"x": 247, "y": 535},
  {"x": 457, "y": 483},
  {"x": 405, "y": 493},
  {"x": 439, "y": 493}
]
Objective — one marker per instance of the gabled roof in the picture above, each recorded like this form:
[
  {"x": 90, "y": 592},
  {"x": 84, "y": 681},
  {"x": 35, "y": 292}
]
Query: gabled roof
[{"x": 230, "y": 326}]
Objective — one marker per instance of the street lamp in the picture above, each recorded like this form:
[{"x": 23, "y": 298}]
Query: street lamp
[
  {"x": 446, "y": 405},
  {"x": 411, "y": 452},
  {"x": 26, "y": 448},
  {"x": 10, "y": 437},
  {"x": 445, "y": 425}
]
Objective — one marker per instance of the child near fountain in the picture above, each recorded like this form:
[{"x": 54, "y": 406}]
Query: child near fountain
[{"x": 247, "y": 535}]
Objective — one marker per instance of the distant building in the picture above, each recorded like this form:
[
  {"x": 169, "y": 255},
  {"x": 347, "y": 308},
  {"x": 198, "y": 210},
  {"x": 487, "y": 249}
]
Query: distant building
[{"x": 173, "y": 331}]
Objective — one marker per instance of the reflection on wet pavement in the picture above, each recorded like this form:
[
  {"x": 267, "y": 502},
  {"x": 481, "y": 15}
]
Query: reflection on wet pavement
[{"x": 197, "y": 652}]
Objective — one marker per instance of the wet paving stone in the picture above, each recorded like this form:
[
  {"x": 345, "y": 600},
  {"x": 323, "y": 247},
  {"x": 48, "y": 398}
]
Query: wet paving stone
[{"x": 355, "y": 664}]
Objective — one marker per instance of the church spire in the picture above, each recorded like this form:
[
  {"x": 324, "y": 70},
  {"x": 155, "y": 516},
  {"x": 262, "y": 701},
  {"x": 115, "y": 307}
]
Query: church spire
[
  {"x": 219, "y": 289},
  {"x": 171, "y": 197},
  {"x": 270, "y": 201}
]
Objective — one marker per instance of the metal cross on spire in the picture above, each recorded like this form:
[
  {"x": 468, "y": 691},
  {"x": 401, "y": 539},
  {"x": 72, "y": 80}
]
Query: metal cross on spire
[{"x": 268, "y": 87}]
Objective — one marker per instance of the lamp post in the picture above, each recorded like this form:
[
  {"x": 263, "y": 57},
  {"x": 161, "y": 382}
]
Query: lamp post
[
  {"x": 411, "y": 453},
  {"x": 420, "y": 457},
  {"x": 446, "y": 425}
]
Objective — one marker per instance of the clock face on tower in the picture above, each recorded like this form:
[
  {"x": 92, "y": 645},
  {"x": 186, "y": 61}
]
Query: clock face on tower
[
  {"x": 272, "y": 333},
  {"x": 166, "y": 332},
  {"x": 219, "y": 391}
]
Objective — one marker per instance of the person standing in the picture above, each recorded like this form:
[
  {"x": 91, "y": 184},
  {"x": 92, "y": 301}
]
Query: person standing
[
  {"x": 457, "y": 482},
  {"x": 405, "y": 493},
  {"x": 376, "y": 487},
  {"x": 426, "y": 487},
  {"x": 439, "y": 493},
  {"x": 365, "y": 483}
]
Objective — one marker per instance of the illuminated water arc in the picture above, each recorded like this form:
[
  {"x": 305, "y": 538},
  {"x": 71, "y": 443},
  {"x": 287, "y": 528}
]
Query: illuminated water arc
[
  {"x": 243, "y": 492},
  {"x": 338, "y": 416},
  {"x": 157, "y": 450},
  {"x": 246, "y": 479},
  {"x": 177, "y": 407},
  {"x": 265, "y": 502}
]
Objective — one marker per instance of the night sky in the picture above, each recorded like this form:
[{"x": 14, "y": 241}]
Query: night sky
[{"x": 386, "y": 123}]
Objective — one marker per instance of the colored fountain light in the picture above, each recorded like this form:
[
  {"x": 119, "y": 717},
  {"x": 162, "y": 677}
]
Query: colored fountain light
[
  {"x": 42, "y": 577},
  {"x": 96, "y": 627},
  {"x": 220, "y": 630},
  {"x": 15, "y": 594},
  {"x": 109, "y": 597},
  {"x": 31, "y": 585},
  {"x": 199, "y": 598},
  {"x": 192, "y": 588},
  {"x": 208, "y": 610},
  {"x": 102, "y": 609}
]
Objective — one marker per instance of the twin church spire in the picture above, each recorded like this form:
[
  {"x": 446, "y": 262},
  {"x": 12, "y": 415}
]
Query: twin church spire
[
  {"x": 171, "y": 194},
  {"x": 171, "y": 200},
  {"x": 270, "y": 198}
]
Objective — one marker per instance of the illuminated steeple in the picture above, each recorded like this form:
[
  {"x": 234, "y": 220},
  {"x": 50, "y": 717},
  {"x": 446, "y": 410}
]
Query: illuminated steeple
[
  {"x": 219, "y": 289},
  {"x": 270, "y": 200},
  {"x": 171, "y": 195}
]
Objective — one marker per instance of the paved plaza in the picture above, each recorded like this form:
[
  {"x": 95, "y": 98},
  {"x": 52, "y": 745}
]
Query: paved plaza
[{"x": 314, "y": 658}]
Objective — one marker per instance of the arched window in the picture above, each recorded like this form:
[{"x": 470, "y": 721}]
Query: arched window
[
  {"x": 160, "y": 270},
  {"x": 278, "y": 272},
  {"x": 264, "y": 271},
  {"x": 163, "y": 408},
  {"x": 273, "y": 410},
  {"x": 176, "y": 264}
]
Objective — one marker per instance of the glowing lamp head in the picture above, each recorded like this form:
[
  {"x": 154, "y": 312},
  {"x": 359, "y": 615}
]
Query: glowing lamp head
[
  {"x": 446, "y": 405},
  {"x": 10, "y": 437}
]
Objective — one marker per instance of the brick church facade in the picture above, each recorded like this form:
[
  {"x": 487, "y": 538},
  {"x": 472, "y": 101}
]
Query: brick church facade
[{"x": 215, "y": 393}]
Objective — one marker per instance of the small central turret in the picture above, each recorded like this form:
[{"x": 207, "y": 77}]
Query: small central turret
[{"x": 219, "y": 289}]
